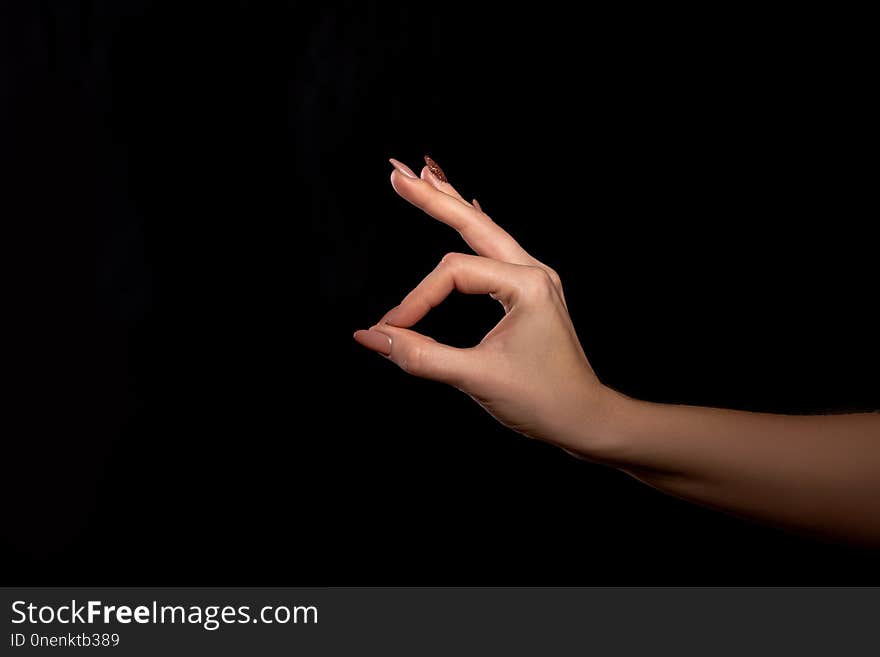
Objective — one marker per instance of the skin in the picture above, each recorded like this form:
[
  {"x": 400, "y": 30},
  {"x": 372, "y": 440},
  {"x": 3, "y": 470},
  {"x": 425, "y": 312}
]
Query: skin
[{"x": 815, "y": 475}]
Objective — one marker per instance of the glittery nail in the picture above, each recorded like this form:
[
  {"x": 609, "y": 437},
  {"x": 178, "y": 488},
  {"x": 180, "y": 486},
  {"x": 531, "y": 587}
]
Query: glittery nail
[{"x": 435, "y": 169}]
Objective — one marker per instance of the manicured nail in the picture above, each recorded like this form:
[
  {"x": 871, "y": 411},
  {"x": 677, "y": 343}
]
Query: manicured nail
[
  {"x": 400, "y": 166},
  {"x": 374, "y": 340},
  {"x": 476, "y": 204},
  {"x": 434, "y": 168}
]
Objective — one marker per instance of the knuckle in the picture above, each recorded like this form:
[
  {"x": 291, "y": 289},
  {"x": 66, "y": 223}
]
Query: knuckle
[
  {"x": 451, "y": 259},
  {"x": 554, "y": 277},
  {"x": 537, "y": 283}
]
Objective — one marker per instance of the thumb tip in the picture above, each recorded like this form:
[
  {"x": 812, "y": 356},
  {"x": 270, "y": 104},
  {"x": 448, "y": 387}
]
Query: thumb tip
[{"x": 373, "y": 340}]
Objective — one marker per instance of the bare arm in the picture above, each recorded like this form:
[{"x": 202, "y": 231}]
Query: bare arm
[
  {"x": 818, "y": 475},
  {"x": 813, "y": 474}
]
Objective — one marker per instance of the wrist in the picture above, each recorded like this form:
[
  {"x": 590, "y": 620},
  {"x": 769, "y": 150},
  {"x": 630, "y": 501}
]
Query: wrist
[{"x": 615, "y": 438}]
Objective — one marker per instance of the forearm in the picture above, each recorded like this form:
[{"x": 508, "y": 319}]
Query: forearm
[{"x": 813, "y": 474}]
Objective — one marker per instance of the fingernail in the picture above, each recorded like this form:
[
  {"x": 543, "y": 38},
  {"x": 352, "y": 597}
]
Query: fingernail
[
  {"x": 400, "y": 166},
  {"x": 435, "y": 169},
  {"x": 374, "y": 340},
  {"x": 476, "y": 204}
]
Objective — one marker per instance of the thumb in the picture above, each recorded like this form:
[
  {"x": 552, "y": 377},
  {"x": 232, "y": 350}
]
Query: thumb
[{"x": 418, "y": 354}]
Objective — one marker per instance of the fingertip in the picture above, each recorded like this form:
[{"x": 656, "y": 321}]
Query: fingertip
[
  {"x": 435, "y": 169},
  {"x": 440, "y": 184},
  {"x": 374, "y": 341},
  {"x": 400, "y": 181},
  {"x": 400, "y": 166},
  {"x": 429, "y": 177},
  {"x": 392, "y": 317}
]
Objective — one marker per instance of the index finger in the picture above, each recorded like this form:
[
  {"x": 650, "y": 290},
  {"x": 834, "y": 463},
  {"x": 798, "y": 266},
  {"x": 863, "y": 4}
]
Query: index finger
[{"x": 456, "y": 271}]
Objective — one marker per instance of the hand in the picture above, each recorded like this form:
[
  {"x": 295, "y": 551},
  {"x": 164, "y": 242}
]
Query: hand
[
  {"x": 812, "y": 474},
  {"x": 529, "y": 371}
]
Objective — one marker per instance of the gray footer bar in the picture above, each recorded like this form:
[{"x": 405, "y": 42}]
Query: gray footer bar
[{"x": 440, "y": 621}]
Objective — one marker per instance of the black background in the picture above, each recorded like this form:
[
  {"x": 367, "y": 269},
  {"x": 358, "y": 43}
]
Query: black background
[{"x": 199, "y": 216}]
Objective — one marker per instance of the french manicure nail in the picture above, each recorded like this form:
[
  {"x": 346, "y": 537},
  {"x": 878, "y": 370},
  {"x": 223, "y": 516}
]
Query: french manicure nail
[
  {"x": 400, "y": 166},
  {"x": 434, "y": 168},
  {"x": 374, "y": 340}
]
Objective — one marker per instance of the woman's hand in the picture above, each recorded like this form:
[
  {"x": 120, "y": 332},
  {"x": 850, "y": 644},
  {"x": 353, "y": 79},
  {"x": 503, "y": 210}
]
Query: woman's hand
[
  {"x": 530, "y": 371},
  {"x": 817, "y": 475}
]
